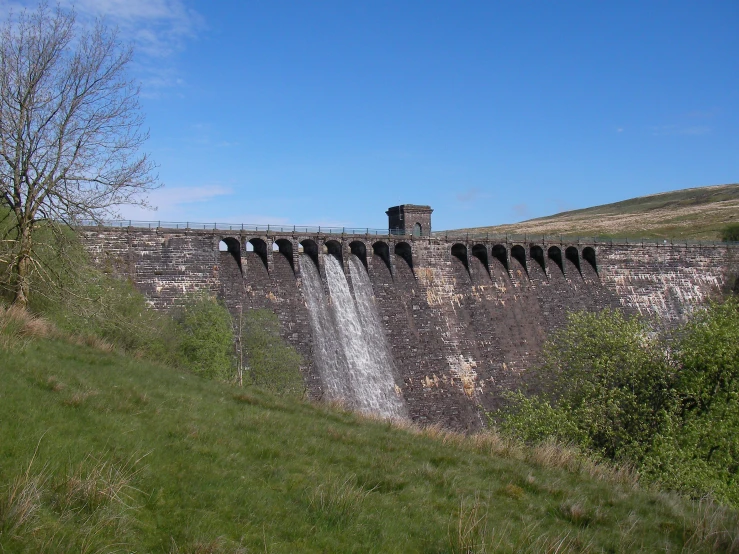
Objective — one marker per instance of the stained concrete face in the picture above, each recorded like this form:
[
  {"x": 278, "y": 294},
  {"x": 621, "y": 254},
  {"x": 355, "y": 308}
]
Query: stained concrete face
[{"x": 464, "y": 320}]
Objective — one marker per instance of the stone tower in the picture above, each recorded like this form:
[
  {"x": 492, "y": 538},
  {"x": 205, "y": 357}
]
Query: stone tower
[{"x": 410, "y": 219}]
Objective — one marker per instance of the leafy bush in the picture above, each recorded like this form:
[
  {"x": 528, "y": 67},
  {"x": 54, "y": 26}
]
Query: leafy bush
[
  {"x": 609, "y": 388},
  {"x": 730, "y": 233},
  {"x": 701, "y": 451},
  {"x": 614, "y": 389},
  {"x": 272, "y": 364},
  {"x": 206, "y": 337},
  {"x": 113, "y": 310}
]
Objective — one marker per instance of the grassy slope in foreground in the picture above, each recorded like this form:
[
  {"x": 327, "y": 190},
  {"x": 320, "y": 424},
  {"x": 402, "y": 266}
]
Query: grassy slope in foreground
[
  {"x": 697, "y": 214},
  {"x": 224, "y": 467}
]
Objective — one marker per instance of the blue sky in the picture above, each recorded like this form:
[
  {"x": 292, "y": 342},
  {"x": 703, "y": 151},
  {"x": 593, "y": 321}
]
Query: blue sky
[{"x": 491, "y": 112}]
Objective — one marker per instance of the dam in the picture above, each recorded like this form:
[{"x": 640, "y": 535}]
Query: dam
[{"x": 404, "y": 322}]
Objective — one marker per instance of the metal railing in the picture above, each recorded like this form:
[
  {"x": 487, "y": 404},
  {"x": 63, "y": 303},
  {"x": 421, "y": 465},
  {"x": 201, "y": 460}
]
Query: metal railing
[
  {"x": 367, "y": 231},
  {"x": 254, "y": 228}
]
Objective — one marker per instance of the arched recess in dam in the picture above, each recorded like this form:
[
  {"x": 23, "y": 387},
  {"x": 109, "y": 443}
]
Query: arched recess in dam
[
  {"x": 333, "y": 248},
  {"x": 285, "y": 248},
  {"x": 310, "y": 249},
  {"x": 459, "y": 251},
  {"x": 537, "y": 254},
  {"x": 359, "y": 249},
  {"x": 403, "y": 250},
  {"x": 573, "y": 256},
  {"x": 259, "y": 250},
  {"x": 588, "y": 254},
  {"x": 500, "y": 253},
  {"x": 480, "y": 252},
  {"x": 555, "y": 254},
  {"x": 232, "y": 247},
  {"x": 382, "y": 250},
  {"x": 519, "y": 254}
]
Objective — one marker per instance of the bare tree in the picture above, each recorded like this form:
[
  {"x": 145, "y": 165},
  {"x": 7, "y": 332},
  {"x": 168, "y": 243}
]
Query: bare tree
[{"x": 70, "y": 130}]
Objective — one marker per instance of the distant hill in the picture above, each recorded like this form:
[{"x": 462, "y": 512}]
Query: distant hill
[{"x": 696, "y": 213}]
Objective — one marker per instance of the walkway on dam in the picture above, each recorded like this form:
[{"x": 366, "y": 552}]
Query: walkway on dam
[{"x": 366, "y": 232}]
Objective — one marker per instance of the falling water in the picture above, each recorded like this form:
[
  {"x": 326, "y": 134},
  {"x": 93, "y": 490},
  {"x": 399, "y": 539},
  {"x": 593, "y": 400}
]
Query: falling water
[
  {"x": 381, "y": 360},
  {"x": 327, "y": 353},
  {"x": 351, "y": 352}
]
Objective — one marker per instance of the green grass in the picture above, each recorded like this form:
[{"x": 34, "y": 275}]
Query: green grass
[
  {"x": 106, "y": 453},
  {"x": 693, "y": 214}
]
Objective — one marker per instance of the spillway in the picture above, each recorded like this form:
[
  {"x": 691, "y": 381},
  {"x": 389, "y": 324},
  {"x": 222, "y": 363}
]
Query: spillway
[
  {"x": 350, "y": 348},
  {"x": 328, "y": 356}
]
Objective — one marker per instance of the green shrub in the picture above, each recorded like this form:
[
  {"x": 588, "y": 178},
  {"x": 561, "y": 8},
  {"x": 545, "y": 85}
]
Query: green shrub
[
  {"x": 607, "y": 388},
  {"x": 273, "y": 364},
  {"x": 701, "y": 451},
  {"x": 671, "y": 410},
  {"x": 730, "y": 233},
  {"x": 206, "y": 337}
]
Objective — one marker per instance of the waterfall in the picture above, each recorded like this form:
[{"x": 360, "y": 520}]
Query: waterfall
[
  {"x": 380, "y": 358},
  {"x": 327, "y": 353},
  {"x": 350, "y": 349}
]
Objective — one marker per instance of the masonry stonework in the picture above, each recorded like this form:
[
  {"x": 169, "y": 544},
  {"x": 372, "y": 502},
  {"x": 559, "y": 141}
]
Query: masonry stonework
[
  {"x": 464, "y": 319},
  {"x": 410, "y": 219}
]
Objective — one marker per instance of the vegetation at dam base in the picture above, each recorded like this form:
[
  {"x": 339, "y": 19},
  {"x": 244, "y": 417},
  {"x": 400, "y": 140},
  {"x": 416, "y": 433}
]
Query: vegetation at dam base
[
  {"x": 624, "y": 394},
  {"x": 198, "y": 335}
]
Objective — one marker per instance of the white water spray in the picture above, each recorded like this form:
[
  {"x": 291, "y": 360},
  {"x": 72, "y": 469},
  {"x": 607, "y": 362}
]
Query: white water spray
[
  {"x": 350, "y": 351},
  {"x": 327, "y": 353}
]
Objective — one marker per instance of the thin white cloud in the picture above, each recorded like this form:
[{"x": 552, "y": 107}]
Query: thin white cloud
[
  {"x": 158, "y": 29},
  {"x": 175, "y": 203},
  {"x": 197, "y": 204}
]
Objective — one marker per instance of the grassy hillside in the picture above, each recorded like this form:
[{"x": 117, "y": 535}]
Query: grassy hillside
[
  {"x": 697, "y": 213},
  {"x": 106, "y": 453}
]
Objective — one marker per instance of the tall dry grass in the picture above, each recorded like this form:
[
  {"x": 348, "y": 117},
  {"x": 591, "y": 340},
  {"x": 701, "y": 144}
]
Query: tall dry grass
[
  {"x": 18, "y": 327},
  {"x": 546, "y": 455},
  {"x": 336, "y": 501},
  {"x": 95, "y": 483},
  {"x": 711, "y": 528},
  {"x": 707, "y": 525},
  {"x": 21, "y": 502},
  {"x": 96, "y": 494}
]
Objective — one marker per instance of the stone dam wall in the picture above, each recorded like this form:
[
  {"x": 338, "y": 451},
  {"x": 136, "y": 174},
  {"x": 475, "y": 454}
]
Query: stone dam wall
[{"x": 464, "y": 319}]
